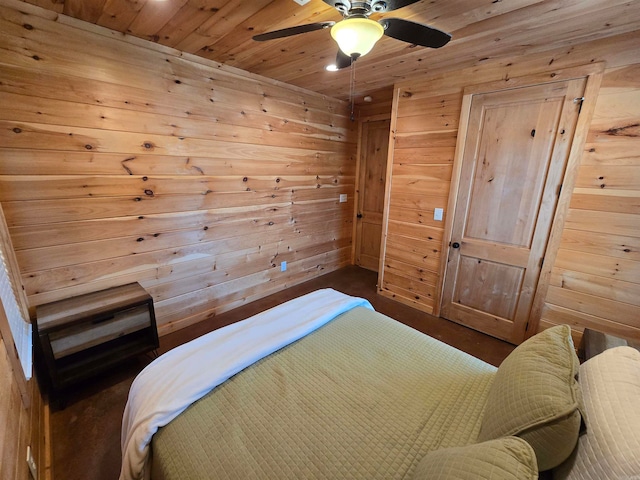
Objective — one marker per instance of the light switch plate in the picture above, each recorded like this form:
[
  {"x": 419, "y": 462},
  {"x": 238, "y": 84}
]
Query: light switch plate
[
  {"x": 343, "y": 197},
  {"x": 437, "y": 214}
]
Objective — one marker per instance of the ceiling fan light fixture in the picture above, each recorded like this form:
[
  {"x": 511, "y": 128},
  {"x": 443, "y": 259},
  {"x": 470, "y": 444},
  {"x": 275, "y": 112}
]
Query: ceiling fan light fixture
[{"x": 356, "y": 36}]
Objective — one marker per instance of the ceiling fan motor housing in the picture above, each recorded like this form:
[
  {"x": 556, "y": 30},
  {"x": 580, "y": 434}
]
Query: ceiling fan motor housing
[
  {"x": 345, "y": 7},
  {"x": 379, "y": 6}
]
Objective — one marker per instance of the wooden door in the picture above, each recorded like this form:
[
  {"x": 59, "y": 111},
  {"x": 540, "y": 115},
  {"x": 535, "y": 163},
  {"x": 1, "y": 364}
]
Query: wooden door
[
  {"x": 374, "y": 146},
  {"x": 515, "y": 154}
]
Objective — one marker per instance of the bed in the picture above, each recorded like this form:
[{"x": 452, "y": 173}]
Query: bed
[{"x": 324, "y": 387}]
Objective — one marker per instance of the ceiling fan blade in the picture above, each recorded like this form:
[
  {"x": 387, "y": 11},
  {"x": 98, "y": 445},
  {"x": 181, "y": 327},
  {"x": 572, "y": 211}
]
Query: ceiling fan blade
[
  {"x": 287, "y": 32},
  {"x": 415, "y": 33},
  {"x": 343, "y": 60}
]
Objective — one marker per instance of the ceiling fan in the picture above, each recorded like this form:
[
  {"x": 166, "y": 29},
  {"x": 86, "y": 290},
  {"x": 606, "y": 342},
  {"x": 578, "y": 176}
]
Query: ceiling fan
[{"x": 356, "y": 34}]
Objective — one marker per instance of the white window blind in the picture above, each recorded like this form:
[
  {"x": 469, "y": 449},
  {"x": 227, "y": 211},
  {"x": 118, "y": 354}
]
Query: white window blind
[{"x": 20, "y": 328}]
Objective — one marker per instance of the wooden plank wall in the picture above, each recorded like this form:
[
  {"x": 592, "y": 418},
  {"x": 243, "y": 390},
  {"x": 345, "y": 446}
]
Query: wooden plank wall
[
  {"x": 122, "y": 160},
  {"x": 596, "y": 278},
  {"x": 21, "y": 425},
  {"x": 380, "y": 106}
]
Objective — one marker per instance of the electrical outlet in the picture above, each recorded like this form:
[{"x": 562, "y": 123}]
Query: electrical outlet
[
  {"x": 32, "y": 463},
  {"x": 437, "y": 214},
  {"x": 343, "y": 197},
  {"x": 283, "y": 266}
]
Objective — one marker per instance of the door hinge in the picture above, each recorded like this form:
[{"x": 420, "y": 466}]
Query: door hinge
[{"x": 579, "y": 100}]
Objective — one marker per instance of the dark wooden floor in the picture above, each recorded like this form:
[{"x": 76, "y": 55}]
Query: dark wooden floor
[{"x": 85, "y": 436}]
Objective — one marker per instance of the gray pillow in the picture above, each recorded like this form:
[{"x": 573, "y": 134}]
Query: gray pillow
[
  {"x": 508, "y": 458},
  {"x": 535, "y": 396}
]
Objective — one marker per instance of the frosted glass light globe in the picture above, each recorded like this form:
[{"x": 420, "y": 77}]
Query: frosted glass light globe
[{"x": 356, "y": 36}]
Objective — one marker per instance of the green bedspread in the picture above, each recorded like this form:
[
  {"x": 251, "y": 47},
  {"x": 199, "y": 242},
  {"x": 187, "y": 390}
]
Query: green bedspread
[{"x": 363, "y": 397}]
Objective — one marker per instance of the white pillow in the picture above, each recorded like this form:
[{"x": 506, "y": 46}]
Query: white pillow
[{"x": 610, "y": 448}]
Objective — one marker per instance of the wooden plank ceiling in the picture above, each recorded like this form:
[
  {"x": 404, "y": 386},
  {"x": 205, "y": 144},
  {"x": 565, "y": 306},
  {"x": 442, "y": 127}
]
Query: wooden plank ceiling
[{"x": 221, "y": 30}]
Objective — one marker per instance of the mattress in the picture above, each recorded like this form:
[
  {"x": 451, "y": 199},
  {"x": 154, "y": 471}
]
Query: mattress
[{"x": 362, "y": 397}]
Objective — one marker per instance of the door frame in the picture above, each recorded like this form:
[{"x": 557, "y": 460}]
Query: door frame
[{"x": 593, "y": 74}]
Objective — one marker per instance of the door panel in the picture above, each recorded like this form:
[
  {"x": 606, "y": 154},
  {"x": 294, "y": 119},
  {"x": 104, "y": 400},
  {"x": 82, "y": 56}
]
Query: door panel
[
  {"x": 483, "y": 286},
  {"x": 513, "y": 163},
  {"x": 370, "y": 245},
  {"x": 373, "y": 163},
  {"x": 506, "y": 192}
]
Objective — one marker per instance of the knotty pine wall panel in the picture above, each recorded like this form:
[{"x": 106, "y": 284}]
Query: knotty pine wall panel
[
  {"x": 22, "y": 425},
  {"x": 378, "y": 108},
  {"x": 595, "y": 281},
  {"x": 122, "y": 160}
]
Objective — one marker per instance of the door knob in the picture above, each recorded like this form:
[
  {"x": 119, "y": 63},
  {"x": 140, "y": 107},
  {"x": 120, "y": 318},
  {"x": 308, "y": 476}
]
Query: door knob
[{"x": 455, "y": 245}]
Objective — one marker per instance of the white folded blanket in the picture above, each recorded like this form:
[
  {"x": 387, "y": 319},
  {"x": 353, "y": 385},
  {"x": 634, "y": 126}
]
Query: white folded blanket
[{"x": 172, "y": 382}]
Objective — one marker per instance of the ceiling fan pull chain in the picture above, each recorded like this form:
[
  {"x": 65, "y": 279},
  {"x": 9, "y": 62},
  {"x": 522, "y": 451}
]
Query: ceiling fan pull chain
[{"x": 352, "y": 86}]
